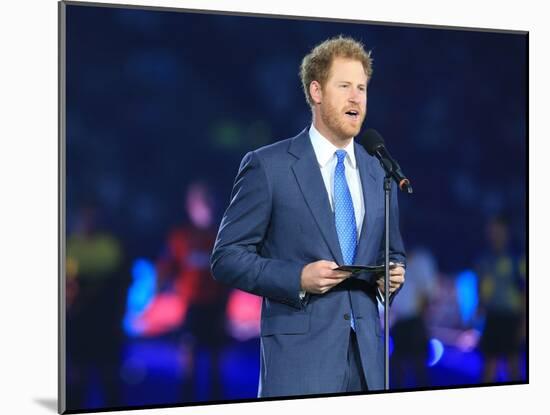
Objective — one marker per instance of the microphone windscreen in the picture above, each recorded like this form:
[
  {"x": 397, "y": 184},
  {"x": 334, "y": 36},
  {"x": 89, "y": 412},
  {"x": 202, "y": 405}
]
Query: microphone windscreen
[{"x": 372, "y": 140}]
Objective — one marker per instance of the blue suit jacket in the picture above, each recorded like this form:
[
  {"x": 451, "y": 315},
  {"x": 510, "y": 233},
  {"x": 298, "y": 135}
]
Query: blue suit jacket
[{"x": 279, "y": 219}]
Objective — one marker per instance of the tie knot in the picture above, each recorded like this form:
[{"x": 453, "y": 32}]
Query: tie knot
[{"x": 341, "y": 155}]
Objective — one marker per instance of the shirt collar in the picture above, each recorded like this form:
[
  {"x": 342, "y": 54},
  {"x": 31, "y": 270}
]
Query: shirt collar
[{"x": 324, "y": 149}]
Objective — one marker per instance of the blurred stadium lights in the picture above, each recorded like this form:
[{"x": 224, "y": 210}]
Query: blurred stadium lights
[
  {"x": 436, "y": 352},
  {"x": 164, "y": 314},
  {"x": 140, "y": 294},
  {"x": 467, "y": 296},
  {"x": 243, "y": 315},
  {"x": 468, "y": 340}
]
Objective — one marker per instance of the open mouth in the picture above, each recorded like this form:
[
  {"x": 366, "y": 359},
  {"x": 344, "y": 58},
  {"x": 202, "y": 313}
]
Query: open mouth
[{"x": 352, "y": 114}]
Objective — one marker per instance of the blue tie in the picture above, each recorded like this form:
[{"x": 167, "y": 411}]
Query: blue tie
[
  {"x": 344, "y": 215},
  {"x": 343, "y": 211}
]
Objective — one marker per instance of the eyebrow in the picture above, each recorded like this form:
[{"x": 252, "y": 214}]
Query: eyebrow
[{"x": 349, "y": 83}]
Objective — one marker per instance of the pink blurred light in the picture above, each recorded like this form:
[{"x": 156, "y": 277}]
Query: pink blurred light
[
  {"x": 468, "y": 340},
  {"x": 165, "y": 313},
  {"x": 243, "y": 314}
]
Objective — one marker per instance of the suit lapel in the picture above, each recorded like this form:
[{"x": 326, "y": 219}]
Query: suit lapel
[
  {"x": 370, "y": 191},
  {"x": 309, "y": 178}
]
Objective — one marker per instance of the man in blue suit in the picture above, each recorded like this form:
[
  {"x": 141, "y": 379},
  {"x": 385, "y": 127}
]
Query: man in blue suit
[{"x": 300, "y": 208}]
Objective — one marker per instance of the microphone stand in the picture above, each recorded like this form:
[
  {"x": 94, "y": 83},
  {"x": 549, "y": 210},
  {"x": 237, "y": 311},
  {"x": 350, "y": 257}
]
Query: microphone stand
[
  {"x": 387, "y": 191},
  {"x": 392, "y": 169}
]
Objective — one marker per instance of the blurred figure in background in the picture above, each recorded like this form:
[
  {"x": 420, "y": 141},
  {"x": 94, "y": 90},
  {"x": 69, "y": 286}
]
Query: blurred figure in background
[
  {"x": 186, "y": 261},
  {"x": 502, "y": 302},
  {"x": 409, "y": 332},
  {"x": 96, "y": 286}
]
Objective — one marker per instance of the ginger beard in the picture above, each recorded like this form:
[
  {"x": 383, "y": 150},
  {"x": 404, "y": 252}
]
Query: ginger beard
[{"x": 340, "y": 124}]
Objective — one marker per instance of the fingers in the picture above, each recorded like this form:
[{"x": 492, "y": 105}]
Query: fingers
[
  {"x": 397, "y": 278},
  {"x": 392, "y": 288},
  {"x": 329, "y": 283},
  {"x": 334, "y": 275},
  {"x": 332, "y": 279},
  {"x": 394, "y": 271},
  {"x": 328, "y": 271},
  {"x": 395, "y": 282},
  {"x": 338, "y": 275},
  {"x": 325, "y": 285},
  {"x": 320, "y": 276},
  {"x": 397, "y": 271}
]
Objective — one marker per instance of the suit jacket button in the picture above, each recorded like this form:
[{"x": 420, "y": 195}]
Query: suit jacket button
[{"x": 347, "y": 316}]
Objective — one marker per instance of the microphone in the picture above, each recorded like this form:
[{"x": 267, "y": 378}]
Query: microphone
[{"x": 374, "y": 144}]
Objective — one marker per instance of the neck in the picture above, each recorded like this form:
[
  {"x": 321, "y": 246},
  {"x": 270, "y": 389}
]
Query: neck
[{"x": 334, "y": 139}]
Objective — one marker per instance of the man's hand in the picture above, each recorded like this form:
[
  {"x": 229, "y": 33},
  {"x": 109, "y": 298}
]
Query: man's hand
[
  {"x": 319, "y": 277},
  {"x": 397, "y": 278}
]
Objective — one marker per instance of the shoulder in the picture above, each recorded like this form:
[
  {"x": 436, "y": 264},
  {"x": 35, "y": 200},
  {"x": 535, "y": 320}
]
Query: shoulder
[
  {"x": 284, "y": 146},
  {"x": 275, "y": 149},
  {"x": 278, "y": 152}
]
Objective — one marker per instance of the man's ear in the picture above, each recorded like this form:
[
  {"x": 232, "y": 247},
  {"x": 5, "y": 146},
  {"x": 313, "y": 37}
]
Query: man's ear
[{"x": 316, "y": 92}]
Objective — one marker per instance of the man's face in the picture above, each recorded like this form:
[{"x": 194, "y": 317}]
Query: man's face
[{"x": 343, "y": 100}]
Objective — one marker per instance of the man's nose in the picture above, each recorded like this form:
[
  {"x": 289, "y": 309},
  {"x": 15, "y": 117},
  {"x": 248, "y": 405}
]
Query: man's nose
[{"x": 354, "y": 95}]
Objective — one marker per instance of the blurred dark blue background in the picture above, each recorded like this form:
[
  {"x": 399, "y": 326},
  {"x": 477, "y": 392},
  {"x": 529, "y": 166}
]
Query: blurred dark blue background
[{"x": 158, "y": 101}]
